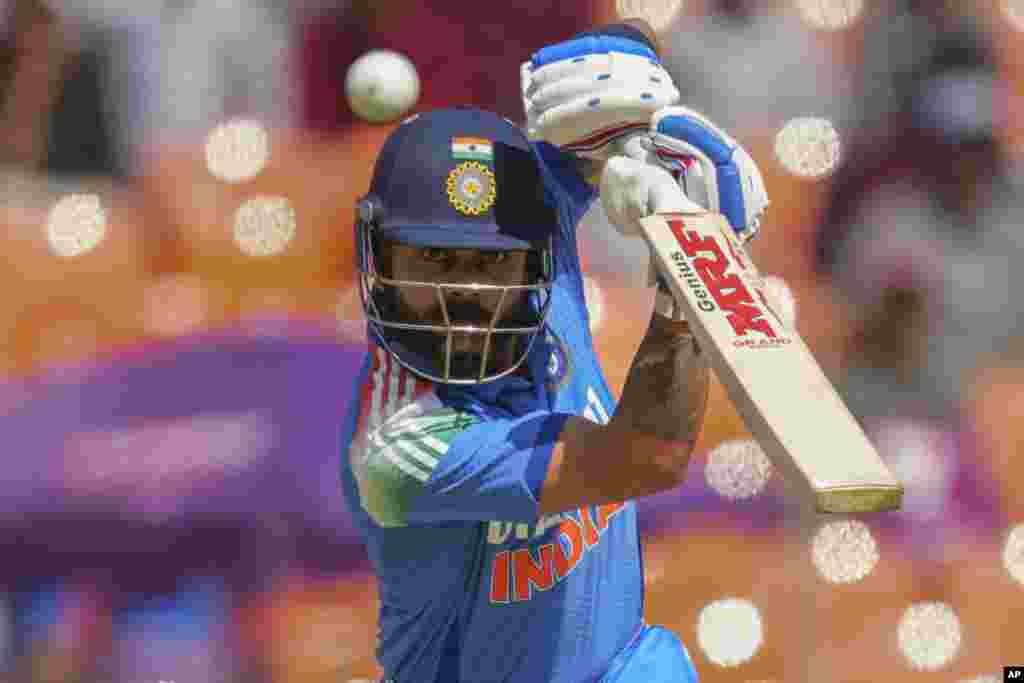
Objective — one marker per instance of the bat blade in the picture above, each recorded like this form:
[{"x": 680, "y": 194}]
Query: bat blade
[{"x": 774, "y": 381}]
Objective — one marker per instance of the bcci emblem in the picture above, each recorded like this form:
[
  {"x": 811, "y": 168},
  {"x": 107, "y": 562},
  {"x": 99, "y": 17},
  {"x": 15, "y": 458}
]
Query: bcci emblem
[
  {"x": 559, "y": 363},
  {"x": 471, "y": 188}
]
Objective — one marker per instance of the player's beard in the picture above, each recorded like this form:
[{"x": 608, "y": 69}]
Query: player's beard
[
  {"x": 467, "y": 349},
  {"x": 467, "y": 352}
]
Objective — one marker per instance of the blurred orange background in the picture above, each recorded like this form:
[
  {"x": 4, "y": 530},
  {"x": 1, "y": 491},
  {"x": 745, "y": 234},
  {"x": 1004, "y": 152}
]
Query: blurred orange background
[{"x": 169, "y": 267}]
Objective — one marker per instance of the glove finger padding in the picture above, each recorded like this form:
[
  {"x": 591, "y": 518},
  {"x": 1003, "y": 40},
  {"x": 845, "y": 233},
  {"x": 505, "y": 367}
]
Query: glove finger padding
[
  {"x": 620, "y": 113},
  {"x": 585, "y": 93},
  {"x": 735, "y": 187},
  {"x": 576, "y": 88}
]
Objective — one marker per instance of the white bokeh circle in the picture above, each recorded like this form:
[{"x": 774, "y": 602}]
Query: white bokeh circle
[
  {"x": 808, "y": 147},
  {"x": 264, "y": 226},
  {"x": 237, "y": 150},
  {"x": 729, "y": 631},
  {"x": 76, "y": 224},
  {"x": 844, "y": 551},
  {"x": 738, "y": 469},
  {"x": 929, "y": 635}
]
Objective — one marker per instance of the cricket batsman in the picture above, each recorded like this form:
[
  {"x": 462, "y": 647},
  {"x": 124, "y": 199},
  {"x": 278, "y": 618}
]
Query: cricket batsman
[{"x": 487, "y": 463}]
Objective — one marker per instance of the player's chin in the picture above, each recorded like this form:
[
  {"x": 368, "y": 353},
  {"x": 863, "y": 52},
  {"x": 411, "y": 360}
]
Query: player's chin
[
  {"x": 467, "y": 355},
  {"x": 468, "y": 364}
]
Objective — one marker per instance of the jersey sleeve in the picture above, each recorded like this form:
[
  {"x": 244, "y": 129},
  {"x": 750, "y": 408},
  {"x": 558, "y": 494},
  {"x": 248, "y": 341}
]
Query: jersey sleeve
[{"x": 445, "y": 465}]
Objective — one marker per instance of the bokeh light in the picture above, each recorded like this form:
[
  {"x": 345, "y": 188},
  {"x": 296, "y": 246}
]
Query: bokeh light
[
  {"x": 830, "y": 15},
  {"x": 844, "y": 551},
  {"x": 929, "y": 635},
  {"x": 237, "y": 150},
  {"x": 1013, "y": 553},
  {"x": 918, "y": 456},
  {"x": 658, "y": 13},
  {"x": 808, "y": 147},
  {"x": 264, "y": 226},
  {"x": 323, "y": 640},
  {"x": 988, "y": 678},
  {"x": 76, "y": 224},
  {"x": 729, "y": 631},
  {"x": 175, "y": 305},
  {"x": 738, "y": 469}
]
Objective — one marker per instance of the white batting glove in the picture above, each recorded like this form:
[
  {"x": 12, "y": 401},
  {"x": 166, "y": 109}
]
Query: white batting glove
[
  {"x": 582, "y": 94},
  {"x": 631, "y": 189},
  {"x": 729, "y": 182}
]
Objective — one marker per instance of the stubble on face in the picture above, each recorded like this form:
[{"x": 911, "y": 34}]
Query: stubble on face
[{"x": 476, "y": 309}]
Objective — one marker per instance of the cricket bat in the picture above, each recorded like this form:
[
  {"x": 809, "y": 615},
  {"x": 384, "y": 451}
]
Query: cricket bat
[{"x": 777, "y": 386}]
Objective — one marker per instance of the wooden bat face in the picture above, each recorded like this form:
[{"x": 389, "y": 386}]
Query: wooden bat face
[{"x": 772, "y": 378}]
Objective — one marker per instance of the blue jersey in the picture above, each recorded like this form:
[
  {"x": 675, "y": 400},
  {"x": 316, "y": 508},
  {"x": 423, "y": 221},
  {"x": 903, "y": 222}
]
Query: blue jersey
[{"x": 444, "y": 482}]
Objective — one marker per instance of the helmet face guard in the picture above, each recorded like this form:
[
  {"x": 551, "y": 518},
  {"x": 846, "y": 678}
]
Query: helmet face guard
[
  {"x": 429, "y": 347},
  {"x": 458, "y": 179}
]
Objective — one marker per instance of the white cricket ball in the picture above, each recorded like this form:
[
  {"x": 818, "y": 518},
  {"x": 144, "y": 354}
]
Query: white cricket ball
[{"x": 382, "y": 85}]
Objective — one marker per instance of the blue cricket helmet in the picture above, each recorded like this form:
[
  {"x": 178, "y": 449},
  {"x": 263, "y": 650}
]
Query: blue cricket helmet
[{"x": 458, "y": 178}]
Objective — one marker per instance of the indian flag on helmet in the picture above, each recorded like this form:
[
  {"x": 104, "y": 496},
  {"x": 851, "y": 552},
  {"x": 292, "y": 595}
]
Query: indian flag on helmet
[{"x": 477, "y": 149}]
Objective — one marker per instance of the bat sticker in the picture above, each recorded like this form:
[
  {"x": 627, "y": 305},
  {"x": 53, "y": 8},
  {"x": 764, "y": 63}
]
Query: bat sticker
[{"x": 712, "y": 277}]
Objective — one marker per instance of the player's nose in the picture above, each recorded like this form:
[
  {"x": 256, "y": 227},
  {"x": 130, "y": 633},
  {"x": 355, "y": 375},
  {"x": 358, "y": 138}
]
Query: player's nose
[{"x": 470, "y": 269}]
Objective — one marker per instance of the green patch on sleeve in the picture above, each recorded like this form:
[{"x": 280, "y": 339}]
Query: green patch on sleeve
[{"x": 399, "y": 459}]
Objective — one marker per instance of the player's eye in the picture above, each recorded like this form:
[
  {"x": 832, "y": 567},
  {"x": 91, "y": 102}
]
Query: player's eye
[{"x": 434, "y": 255}]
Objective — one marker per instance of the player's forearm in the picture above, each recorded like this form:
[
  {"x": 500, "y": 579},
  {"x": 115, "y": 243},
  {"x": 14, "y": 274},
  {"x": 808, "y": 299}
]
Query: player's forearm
[{"x": 662, "y": 406}]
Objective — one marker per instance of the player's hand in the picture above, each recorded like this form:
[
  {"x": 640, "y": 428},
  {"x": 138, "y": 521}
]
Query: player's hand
[
  {"x": 726, "y": 180},
  {"x": 582, "y": 94},
  {"x": 632, "y": 189}
]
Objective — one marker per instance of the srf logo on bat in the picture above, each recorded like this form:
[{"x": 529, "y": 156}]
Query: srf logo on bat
[{"x": 705, "y": 267}]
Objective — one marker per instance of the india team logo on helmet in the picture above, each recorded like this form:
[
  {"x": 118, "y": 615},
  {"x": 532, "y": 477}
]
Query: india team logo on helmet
[{"x": 471, "y": 188}]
